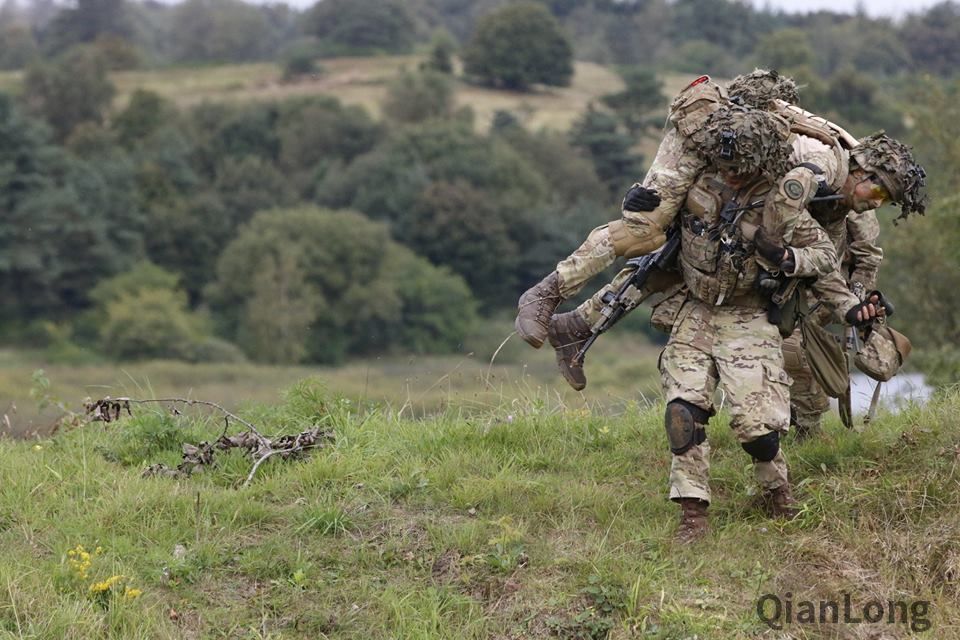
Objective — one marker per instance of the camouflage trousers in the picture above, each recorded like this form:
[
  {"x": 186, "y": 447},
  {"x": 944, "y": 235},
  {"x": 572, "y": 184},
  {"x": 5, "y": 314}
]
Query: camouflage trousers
[
  {"x": 808, "y": 400},
  {"x": 737, "y": 348}
]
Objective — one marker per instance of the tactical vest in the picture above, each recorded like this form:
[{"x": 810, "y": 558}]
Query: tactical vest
[{"x": 719, "y": 265}]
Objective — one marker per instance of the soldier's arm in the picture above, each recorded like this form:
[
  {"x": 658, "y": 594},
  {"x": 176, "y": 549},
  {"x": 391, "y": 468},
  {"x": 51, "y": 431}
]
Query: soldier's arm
[
  {"x": 813, "y": 162},
  {"x": 812, "y": 251},
  {"x": 863, "y": 229}
]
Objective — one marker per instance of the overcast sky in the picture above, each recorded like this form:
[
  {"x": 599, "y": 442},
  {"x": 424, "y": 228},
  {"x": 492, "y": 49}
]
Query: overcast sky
[{"x": 890, "y": 8}]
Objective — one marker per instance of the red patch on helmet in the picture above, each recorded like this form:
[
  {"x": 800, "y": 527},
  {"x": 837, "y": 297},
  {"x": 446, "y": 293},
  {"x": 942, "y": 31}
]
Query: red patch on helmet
[{"x": 699, "y": 80}]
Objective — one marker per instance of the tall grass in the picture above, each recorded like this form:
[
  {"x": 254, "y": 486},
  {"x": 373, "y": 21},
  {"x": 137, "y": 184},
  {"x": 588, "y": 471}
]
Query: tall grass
[{"x": 524, "y": 520}]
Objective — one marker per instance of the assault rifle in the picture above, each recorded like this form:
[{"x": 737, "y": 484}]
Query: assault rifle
[{"x": 615, "y": 303}]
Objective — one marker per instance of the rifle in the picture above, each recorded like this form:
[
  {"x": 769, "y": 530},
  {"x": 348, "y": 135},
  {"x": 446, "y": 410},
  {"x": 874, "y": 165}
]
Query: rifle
[{"x": 615, "y": 304}]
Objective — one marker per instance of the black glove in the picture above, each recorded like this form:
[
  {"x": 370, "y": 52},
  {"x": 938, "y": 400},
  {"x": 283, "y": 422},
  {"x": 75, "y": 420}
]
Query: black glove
[
  {"x": 774, "y": 253},
  {"x": 867, "y": 310},
  {"x": 640, "y": 198}
]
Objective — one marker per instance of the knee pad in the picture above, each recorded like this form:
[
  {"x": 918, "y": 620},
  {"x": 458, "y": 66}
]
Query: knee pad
[
  {"x": 686, "y": 425},
  {"x": 764, "y": 448}
]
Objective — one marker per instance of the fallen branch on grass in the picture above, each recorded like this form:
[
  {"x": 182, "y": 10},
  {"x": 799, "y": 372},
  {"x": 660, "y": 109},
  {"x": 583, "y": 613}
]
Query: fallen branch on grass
[{"x": 198, "y": 457}]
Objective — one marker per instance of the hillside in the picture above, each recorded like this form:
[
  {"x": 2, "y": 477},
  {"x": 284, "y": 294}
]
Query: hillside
[
  {"x": 363, "y": 81},
  {"x": 524, "y": 521}
]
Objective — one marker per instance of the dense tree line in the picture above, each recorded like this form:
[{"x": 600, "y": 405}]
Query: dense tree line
[
  {"x": 307, "y": 230},
  {"x": 687, "y": 35},
  {"x": 302, "y": 230}
]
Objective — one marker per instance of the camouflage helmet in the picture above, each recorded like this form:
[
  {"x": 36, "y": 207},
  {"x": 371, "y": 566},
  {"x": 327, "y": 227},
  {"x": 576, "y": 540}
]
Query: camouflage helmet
[
  {"x": 760, "y": 87},
  {"x": 745, "y": 139},
  {"x": 893, "y": 164}
]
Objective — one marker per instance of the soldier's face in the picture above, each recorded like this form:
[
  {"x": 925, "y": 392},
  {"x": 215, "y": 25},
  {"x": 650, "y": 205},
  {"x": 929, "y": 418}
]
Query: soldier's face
[{"x": 866, "y": 191}]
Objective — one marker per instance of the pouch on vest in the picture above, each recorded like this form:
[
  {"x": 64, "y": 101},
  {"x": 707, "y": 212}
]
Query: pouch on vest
[{"x": 828, "y": 362}]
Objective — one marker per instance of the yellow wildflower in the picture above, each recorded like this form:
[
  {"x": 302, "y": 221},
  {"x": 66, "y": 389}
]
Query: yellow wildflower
[{"x": 131, "y": 594}]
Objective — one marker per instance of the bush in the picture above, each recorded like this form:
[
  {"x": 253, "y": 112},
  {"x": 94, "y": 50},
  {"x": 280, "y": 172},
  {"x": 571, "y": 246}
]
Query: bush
[
  {"x": 415, "y": 97},
  {"x": 151, "y": 323}
]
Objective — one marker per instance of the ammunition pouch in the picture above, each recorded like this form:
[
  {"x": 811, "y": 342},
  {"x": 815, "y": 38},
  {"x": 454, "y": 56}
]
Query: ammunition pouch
[
  {"x": 828, "y": 362},
  {"x": 633, "y": 240}
]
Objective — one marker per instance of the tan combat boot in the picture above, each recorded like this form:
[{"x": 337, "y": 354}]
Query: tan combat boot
[
  {"x": 780, "y": 503},
  {"x": 567, "y": 332},
  {"x": 535, "y": 307},
  {"x": 693, "y": 520}
]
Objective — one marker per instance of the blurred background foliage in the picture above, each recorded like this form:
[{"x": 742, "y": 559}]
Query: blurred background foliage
[{"x": 302, "y": 228}]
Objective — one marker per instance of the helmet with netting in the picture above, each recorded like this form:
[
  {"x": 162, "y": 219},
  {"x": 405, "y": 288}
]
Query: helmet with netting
[
  {"x": 893, "y": 164},
  {"x": 760, "y": 87},
  {"x": 745, "y": 140}
]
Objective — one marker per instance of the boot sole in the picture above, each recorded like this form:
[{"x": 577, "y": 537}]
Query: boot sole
[{"x": 529, "y": 338}]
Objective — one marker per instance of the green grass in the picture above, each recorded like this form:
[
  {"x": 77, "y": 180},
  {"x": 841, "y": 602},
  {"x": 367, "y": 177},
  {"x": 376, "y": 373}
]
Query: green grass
[
  {"x": 525, "y": 520},
  {"x": 409, "y": 385}
]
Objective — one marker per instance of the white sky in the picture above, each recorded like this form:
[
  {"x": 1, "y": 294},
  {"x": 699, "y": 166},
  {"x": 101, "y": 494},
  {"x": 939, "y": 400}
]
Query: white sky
[{"x": 876, "y": 8}]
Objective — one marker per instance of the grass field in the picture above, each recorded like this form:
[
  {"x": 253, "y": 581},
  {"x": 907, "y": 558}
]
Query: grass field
[
  {"x": 525, "y": 520},
  {"x": 623, "y": 372}
]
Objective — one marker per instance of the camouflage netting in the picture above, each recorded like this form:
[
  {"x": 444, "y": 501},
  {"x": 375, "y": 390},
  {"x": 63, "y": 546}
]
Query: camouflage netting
[
  {"x": 760, "y": 87},
  {"x": 759, "y": 141},
  {"x": 893, "y": 163}
]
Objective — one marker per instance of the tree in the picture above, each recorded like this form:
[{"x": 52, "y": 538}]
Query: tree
[
  {"x": 17, "y": 47},
  {"x": 642, "y": 95},
  {"x": 784, "y": 49},
  {"x": 69, "y": 91},
  {"x": 87, "y": 21},
  {"x": 596, "y": 134},
  {"x": 932, "y": 37},
  {"x": 415, "y": 97},
  {"x": 442, "y": 48},
  {"x": 66, "y": 224},
  {"x": 349, "y": 287},
  {"x": 222, "y": 31},
  {"x": 361, "y": 27},
  {"x": 517, "y": 46}
]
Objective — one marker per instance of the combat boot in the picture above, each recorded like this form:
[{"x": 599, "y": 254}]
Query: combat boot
[
  {"x": 535, "y": 307},
  {"x": 693, "y": 520},
  {"x": 780, "y": 503},
  {"x": 567, "y": 332}
]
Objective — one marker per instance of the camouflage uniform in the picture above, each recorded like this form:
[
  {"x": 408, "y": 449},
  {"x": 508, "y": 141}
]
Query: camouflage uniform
[{"x": 721, "y": 334}]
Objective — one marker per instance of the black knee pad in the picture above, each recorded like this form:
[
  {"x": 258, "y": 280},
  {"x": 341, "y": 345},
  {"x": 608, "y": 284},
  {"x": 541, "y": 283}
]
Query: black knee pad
[
  {"x": 764, "y": 448},
  {"x": 686, "y": 425}
]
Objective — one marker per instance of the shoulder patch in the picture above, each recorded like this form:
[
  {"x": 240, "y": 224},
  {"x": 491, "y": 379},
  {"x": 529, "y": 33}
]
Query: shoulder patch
[
  {"x": 699, "y": 80},
  {"x": 793, "y": 189}
]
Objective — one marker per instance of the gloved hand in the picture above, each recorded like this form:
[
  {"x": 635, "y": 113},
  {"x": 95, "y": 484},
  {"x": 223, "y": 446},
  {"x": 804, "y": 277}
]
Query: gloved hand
[
  {"x": 774, "y": 252},
  {"x": 864, "y": 313},
  {"x": 885, "y": 304},
  {"x": 639, "y": 198}
]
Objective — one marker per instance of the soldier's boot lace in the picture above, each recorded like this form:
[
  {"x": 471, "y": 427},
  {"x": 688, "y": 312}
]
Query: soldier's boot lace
[
  {"x": 780, "y": 503},
  {"x": 694, "y": 524},
  {"x": 535, "y": 307},
  {"x": 567, "y": 333}
]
